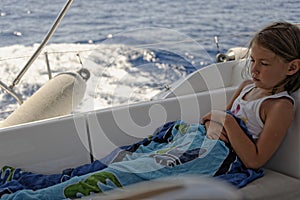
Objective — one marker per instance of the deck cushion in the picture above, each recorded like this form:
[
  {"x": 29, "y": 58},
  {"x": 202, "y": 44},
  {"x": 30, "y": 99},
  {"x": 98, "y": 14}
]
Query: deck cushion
[{"x": 273, "y": 186}]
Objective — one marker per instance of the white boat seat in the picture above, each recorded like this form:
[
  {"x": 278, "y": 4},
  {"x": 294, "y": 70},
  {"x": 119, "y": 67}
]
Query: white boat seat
[
  {"x": 273, "y": 185},
  {"x": 47, "y": 146}
]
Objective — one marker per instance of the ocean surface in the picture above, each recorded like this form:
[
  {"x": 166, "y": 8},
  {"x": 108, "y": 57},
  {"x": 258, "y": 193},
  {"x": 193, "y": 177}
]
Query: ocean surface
[{"x": 137, "y": 47}]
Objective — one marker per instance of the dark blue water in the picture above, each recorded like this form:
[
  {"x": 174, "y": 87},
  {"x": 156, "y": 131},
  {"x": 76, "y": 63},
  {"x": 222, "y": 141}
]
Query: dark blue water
[
  {"x": 95, "y": 19},
  {"x": 141, "y": 22}
]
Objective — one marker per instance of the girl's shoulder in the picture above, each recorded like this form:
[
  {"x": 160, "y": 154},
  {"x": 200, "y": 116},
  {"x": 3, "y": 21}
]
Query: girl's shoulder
[
  {"x": 280, "y": 99},
  {"x": 280, "y": 106},
  {"x": 237, "y": 92},
  {"x": 281, "y": 102},
  {"x": 245, "y": 85}
]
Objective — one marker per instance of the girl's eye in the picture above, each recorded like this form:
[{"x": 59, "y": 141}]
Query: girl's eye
[{"x": 264, "y": 64}]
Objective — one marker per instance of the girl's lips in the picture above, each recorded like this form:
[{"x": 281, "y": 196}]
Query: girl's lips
[
  {"x": 255, "y": 79},
  {"x": 253, "y": 75}
]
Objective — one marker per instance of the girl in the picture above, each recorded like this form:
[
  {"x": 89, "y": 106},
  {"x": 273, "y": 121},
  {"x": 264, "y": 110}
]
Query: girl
[{"x": 264, "y": 102}]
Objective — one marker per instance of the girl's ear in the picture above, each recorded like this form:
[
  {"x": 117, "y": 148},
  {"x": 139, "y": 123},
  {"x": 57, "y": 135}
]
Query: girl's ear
[{"x": 294, "y": 67}]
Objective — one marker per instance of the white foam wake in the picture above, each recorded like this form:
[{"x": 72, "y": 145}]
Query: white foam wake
[{"x": 120, "y": 74}]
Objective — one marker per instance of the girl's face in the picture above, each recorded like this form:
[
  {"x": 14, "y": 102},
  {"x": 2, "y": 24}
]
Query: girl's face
[{"x": 267, "y": 69}]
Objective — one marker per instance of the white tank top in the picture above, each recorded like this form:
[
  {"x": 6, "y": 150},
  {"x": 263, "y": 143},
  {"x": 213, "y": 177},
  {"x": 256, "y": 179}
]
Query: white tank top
[{"x": 248, "y": 111}]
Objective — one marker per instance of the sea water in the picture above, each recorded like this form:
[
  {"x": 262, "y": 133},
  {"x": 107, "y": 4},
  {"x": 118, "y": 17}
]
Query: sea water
[{"x": 133, "y": 48}]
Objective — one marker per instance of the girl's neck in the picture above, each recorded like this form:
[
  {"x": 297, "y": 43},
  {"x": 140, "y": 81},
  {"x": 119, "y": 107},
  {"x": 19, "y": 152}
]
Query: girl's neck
[
  {"x": 257, "y": 93},
  {"x": 268, "y": 92}
]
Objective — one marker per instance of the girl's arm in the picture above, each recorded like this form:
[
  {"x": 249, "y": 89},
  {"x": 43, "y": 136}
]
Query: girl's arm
[{"x": 278, "y": 115}]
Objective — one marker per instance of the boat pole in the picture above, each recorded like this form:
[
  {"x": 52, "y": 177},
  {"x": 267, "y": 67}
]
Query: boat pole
[{"x": 43, "y": 43}]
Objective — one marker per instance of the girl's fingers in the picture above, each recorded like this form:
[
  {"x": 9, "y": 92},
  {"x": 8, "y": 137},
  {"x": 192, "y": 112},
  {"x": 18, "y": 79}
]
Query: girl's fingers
[{"x": 205, "y": 118}]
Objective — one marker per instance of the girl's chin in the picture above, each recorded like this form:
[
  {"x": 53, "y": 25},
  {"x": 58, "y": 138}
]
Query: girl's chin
[{"x": 257, "y": 84}]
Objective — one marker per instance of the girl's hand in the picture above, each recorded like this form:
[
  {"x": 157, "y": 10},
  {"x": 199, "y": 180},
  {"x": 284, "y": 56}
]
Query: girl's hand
[
  {"x": 215, "y": 131},
  {"x": 216, "y": 116},
  {"x": 214, "y": 122}
]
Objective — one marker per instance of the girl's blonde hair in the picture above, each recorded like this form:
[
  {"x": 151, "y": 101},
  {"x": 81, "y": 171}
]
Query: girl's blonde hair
[{"x": 283, "y": 39}]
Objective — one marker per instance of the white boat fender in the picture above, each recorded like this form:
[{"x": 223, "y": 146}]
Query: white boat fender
[
  {"x": 58, "y": 97},
  {"x": 235, "y": 53}
]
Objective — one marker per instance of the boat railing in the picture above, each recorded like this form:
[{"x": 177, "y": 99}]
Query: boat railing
[{"x": 18, "y": 97}]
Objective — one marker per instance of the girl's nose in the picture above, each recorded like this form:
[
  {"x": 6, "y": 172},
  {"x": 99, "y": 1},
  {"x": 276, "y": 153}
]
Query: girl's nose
[{"x": 254, "y": 68}]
